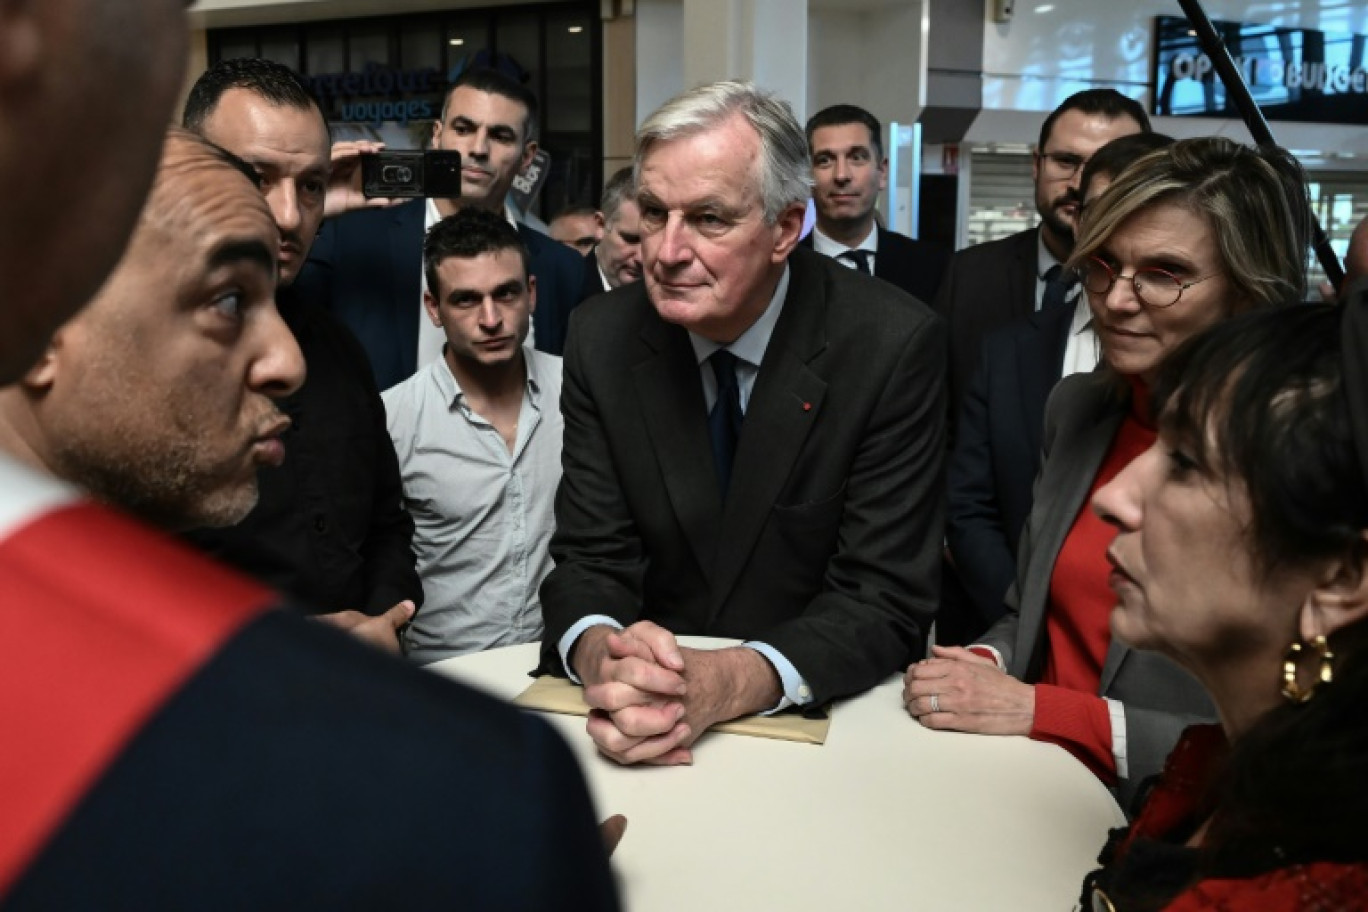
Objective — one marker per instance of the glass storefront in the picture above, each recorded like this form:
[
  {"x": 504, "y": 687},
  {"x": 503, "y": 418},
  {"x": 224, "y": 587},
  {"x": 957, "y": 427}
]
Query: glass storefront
[{"x": 384, "y": 78}]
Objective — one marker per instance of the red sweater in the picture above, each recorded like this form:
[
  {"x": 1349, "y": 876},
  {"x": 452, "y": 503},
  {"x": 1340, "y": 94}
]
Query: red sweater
[{"x": 1068, "y": 711}]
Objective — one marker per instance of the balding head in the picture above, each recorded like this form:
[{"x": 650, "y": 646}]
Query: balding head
[{"x": 158, "y": 396}]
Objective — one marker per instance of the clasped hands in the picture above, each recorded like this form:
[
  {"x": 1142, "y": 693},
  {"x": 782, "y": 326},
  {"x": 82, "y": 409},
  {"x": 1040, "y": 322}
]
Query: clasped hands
[
  {"x": 957, "y": 690},
  {"x": 651, "y": 698}
]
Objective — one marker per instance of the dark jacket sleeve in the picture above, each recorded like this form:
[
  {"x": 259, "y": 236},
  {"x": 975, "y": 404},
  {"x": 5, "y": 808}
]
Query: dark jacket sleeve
[
  {"x": 976, "y": 532},
  {"x": 390, "y": 566},
  {"x": 598, "y": 553}
]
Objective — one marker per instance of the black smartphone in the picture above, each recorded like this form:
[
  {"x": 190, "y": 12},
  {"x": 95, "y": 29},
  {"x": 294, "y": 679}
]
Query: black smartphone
[{"x": 435, "y": 172}]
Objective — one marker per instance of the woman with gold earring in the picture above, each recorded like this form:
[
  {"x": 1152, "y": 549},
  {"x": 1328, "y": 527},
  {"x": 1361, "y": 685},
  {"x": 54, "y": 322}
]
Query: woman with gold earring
[{"x": 1242, "y": 554}]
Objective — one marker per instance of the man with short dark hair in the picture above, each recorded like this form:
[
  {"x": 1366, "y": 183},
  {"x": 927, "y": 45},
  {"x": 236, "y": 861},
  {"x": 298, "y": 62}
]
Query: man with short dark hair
[
  {"x": 849, "y": 171},
  {"x": 578, "y": 227},
  {"x": 990, "y": 284},
  {"x": 754, "y": 438},
  {"x": 478, "y": 433},
  {"x": 371, "y": 261},
  {"x": 616, "y": 260},
  {"x": 330, "y": 528}
]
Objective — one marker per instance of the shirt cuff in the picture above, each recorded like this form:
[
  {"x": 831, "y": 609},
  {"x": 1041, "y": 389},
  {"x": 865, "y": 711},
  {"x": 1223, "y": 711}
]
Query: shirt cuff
[
  {"x": 796, "y": 690},
  {"x": 567, "y": 642},
  {"x": 989, "y": 652},
  {"x": 1117, "y": 711}
]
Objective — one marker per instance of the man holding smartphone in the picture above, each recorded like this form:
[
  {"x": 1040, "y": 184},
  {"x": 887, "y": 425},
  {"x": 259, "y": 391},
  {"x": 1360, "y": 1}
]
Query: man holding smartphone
[{"x": 370, "y": 261}]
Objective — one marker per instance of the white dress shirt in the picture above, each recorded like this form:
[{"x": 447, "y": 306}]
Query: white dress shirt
[{"x": 482, "y": 515}]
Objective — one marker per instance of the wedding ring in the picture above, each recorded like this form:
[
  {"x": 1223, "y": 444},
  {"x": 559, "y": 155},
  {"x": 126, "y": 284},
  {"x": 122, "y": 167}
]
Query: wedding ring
[{"x": 935, "y": 703}]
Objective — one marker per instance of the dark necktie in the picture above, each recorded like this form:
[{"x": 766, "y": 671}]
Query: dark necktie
[
  {"x": 1058, "y": 282},
  {"x": 860, "y": 258},
  {"x": 724, "y": 421}
]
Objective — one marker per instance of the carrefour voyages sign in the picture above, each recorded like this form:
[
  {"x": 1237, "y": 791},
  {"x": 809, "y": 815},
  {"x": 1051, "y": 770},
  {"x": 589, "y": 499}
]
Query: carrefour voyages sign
[{"x": 1293, "y": 74}]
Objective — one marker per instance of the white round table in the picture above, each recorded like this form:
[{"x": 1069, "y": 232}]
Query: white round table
[{"x": 885, "y": 815}]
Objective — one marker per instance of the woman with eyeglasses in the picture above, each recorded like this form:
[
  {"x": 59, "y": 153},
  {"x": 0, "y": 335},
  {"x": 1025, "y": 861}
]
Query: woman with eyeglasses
[
  {"x": 1186, "y": 237},
  {"x": 1241, "y": 553}
]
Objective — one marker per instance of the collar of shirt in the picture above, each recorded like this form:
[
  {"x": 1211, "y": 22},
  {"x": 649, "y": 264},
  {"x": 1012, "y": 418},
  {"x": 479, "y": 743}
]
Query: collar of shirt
[
  {"x": 749, "y": 349},
  {"x": 451, "y": 387},
  {"x": 26, "y": 494},
  {"x": 603, "y": 276},
  {"x": 825, "y": 245},
  {"x": 1082, "y": 317},
  {"x": 750, "y": 346}
]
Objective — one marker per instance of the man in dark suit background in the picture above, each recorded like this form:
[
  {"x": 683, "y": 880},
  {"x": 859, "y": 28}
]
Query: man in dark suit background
[
  {"x": 616, "y": 259},
  {"x": 990, "y": 284},
  {"x": 849, "y": 170},
  {"x": 370, "y": 261},
  {"x": 761, "y": 457}
]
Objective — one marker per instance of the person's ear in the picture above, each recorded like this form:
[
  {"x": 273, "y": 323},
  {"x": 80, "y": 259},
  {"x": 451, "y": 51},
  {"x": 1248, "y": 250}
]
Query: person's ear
[
  {"x": 883, "y": 174},
  {"x": 430, "y": 305},
  {"x": 529, "y": 152},
  {"x": 788, "y": 231},
  {"x": 531, "y": 293},
  {"x": 21, "y": 40},
  {"x": 43, "y": 375},
  {"x": 1340, "y": 598}
]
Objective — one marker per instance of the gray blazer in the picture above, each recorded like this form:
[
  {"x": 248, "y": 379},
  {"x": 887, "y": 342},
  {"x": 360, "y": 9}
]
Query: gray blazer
[{"x": 1082, "y": 418}]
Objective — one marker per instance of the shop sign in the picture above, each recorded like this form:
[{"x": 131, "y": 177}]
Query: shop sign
[{"x": 1293, "y": 74}]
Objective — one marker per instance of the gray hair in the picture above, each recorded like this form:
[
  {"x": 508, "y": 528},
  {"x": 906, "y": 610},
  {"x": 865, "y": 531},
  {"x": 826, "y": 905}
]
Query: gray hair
[
  {"x": 785, "y": 173},
  {"x": 621, "y": 186}
]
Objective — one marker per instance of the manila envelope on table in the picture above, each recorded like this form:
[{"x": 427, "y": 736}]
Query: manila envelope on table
[{"x": 558, "y": 695}]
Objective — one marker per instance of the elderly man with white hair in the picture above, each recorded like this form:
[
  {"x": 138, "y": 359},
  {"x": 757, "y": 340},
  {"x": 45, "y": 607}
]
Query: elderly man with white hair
[{"x": 756, "y": 459}]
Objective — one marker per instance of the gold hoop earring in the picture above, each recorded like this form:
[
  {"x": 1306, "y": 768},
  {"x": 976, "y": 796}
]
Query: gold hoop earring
[{"x": 1291, "y": 689}]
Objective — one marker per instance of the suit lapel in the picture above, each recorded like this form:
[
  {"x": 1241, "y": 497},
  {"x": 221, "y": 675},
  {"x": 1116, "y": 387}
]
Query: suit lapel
[
  {"x": 671, "y": 393},
  {"x": 785, "y": 403},
  {"x": 1023, "y": 274},
  {"x": 1071, "y": 472},
  {"x": 1040, "y": 361}
]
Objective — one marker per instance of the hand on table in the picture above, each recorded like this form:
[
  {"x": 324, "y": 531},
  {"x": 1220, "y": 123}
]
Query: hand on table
[
  {"x": 959, "y": 691},
  {"x": 381, "y": 631},
  {"x": 651, "y": 698},
  {"x": 344, "y": 181}
]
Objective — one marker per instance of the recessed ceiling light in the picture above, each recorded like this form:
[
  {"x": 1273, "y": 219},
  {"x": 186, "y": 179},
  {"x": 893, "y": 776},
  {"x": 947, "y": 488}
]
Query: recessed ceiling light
[
  {"x": 575, "y": 29},
  {"x": 1045, "y": 8},
  {"x": 457, "y": 42}
]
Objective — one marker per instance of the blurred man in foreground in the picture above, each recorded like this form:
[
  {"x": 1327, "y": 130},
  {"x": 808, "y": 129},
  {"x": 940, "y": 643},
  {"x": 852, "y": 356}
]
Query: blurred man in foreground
[{"x": 170, "y": 742}]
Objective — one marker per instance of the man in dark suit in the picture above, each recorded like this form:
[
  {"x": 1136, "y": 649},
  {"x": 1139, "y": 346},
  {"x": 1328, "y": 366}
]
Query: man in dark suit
[
  {"x": 849, "y": 170},
  {"x": 991, "y": 284},
  {"x": 758, "y": 459},
  {"x": 616, "y": 259},
  {"x": 368, "y": 264}
]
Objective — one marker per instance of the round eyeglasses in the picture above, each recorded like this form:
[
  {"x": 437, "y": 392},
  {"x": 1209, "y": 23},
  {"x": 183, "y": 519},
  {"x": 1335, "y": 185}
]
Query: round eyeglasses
[{"x": 1154, "y": 287}]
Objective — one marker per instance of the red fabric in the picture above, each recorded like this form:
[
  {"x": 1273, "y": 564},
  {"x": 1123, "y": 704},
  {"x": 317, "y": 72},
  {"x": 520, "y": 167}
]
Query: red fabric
[
  {"x": 1323, "y": 887},
  {"x": 96, "y": 632},
  {"x": 1078, "y": 620},
  {"x": 1173, "y": 806}
]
